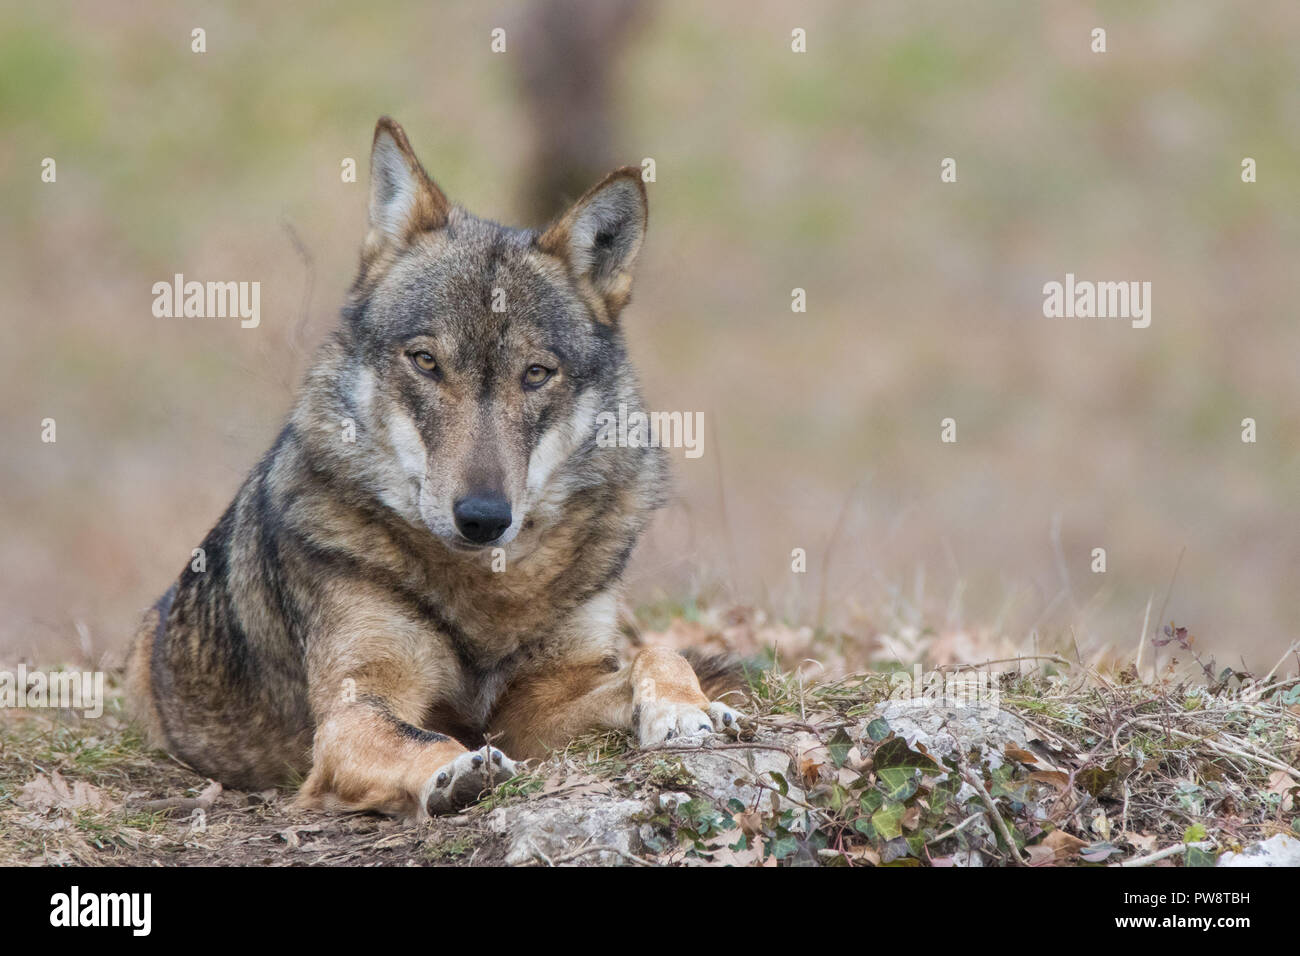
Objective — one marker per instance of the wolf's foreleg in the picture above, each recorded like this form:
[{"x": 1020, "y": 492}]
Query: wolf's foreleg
[
  {"x": 372, "y": 676},
  {"x": 657, "y": 696},
  {"x": 364, "y": 758}
]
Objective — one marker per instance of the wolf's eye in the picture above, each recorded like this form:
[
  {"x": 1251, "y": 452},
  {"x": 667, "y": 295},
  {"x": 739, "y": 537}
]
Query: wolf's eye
[
  {"x": 425, "y": 362},
  {"x": 537, "y": 375}
]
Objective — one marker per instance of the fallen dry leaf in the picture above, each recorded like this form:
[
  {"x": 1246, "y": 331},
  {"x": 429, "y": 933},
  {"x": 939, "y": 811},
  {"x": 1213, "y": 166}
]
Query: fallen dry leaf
[
  {"x": 1063, "y": 844},
  {"x": 1282, "y": 783},
  {"x": 863, "y": 854},
  {"x": 809, "y": 769},
  {"x": 1021, "y": 756},
  {"x": 1142, "y": 841},
  {"x": 46, "y": 793}
]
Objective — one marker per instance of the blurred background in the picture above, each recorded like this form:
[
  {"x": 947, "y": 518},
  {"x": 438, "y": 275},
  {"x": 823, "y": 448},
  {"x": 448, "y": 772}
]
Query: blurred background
[{"x": 774, "y": 170}]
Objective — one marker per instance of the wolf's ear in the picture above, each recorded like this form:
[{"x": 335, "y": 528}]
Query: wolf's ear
[
  {"x": 599, "y": 238},
  {"x": 404, "y": 201}
]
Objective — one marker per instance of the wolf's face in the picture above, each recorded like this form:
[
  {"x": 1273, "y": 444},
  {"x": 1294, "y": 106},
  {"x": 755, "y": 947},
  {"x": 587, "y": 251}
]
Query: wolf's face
[{"x": 481, "y": 355}]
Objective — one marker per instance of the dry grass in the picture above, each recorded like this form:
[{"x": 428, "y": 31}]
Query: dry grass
[{"x": 1118, "y": 768}]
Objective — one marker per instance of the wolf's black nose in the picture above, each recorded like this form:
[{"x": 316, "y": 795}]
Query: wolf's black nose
[{"x": 482, "y": 518}]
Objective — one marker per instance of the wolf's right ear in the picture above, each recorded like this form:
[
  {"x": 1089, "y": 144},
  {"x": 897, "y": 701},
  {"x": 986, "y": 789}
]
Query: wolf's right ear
[{"x": 404, "y": 201}]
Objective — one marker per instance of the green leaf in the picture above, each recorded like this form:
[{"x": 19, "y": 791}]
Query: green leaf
[
  {"x": 1195, "y": 833},
  {"x": 781, "y": 785},
  {"x": 888, "y": 820},
  {"x": 837, "y": 798},
  {"x": 1198, "y": 857},
  {"x": 838, "y": 747},
  {"x": 895, "y": 752},
  {"x": 878, "y": 729},
  {"x": 871, "y": 801},
  {"x": 783, "y": 847},
  {"x": 1004, "y": 784},
  {"x": 944, "y": 791},
  {"x": 898, "y": 783}
]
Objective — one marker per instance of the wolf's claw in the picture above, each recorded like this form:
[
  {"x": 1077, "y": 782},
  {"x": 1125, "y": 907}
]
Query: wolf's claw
[
  {"x": 725, "y": 720},
  {"x": 458, "y": 784},
  {"x": 664, "y": 720}
]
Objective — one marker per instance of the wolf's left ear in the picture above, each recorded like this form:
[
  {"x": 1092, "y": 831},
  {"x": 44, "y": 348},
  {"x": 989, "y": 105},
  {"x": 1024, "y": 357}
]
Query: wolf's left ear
[
  {"x": 600, "y": 236},
  {"x": 404, "y": 201}
]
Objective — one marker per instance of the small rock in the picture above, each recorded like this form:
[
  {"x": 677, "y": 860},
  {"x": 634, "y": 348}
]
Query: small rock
[
  {"x": 1280, "y": 850},
  {"x": 556, "y": 828},
  {"x": 731, "y": 774},
  {"x": 672, "y": 800},
  {"x": 944, "y": 730}
]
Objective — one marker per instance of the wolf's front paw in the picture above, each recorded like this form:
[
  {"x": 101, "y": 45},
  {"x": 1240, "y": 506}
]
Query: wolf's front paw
[
  {"x": 665, "y": 720},
  {"x": 456, "y": 785},
  {"x": 725, "y": 720}
]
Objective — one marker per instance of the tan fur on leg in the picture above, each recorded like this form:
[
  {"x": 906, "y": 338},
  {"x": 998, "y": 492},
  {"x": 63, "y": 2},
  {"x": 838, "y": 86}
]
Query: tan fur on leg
[
  {"x": 363, "y": 760},
  {"x": 659, "y": 674},
  {"x": 657, "y": 695}
]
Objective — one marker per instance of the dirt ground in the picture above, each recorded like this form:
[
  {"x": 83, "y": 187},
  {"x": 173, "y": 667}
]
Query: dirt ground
[
  {"x": 108, "y": 817},
  {"x": 1073, "y": 765}
]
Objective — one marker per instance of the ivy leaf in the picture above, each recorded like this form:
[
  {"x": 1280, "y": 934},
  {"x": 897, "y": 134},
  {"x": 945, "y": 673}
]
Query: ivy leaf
[
  {"x": 895, "y": 752},
  {"x": 838, "y": 747},
  {"x": 898, "y": 783},
  {"x": 888, "y": 820},
  {"x": 878, "y": 729},
  {"x": 784, "y": 846}
]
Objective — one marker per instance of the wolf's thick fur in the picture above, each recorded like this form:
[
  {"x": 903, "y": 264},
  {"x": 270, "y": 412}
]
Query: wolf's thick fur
[{"x": 342, "y": 623}]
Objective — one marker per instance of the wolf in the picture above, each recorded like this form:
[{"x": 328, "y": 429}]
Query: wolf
[{"x": 418, "y": 585}]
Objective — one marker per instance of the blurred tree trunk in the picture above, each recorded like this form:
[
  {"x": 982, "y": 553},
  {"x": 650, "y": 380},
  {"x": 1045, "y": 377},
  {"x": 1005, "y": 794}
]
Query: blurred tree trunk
[{"x": 569, "y": 53}]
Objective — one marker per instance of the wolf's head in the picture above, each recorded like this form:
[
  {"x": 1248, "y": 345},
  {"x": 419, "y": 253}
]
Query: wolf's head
[{"x": 474, "y": 358}]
